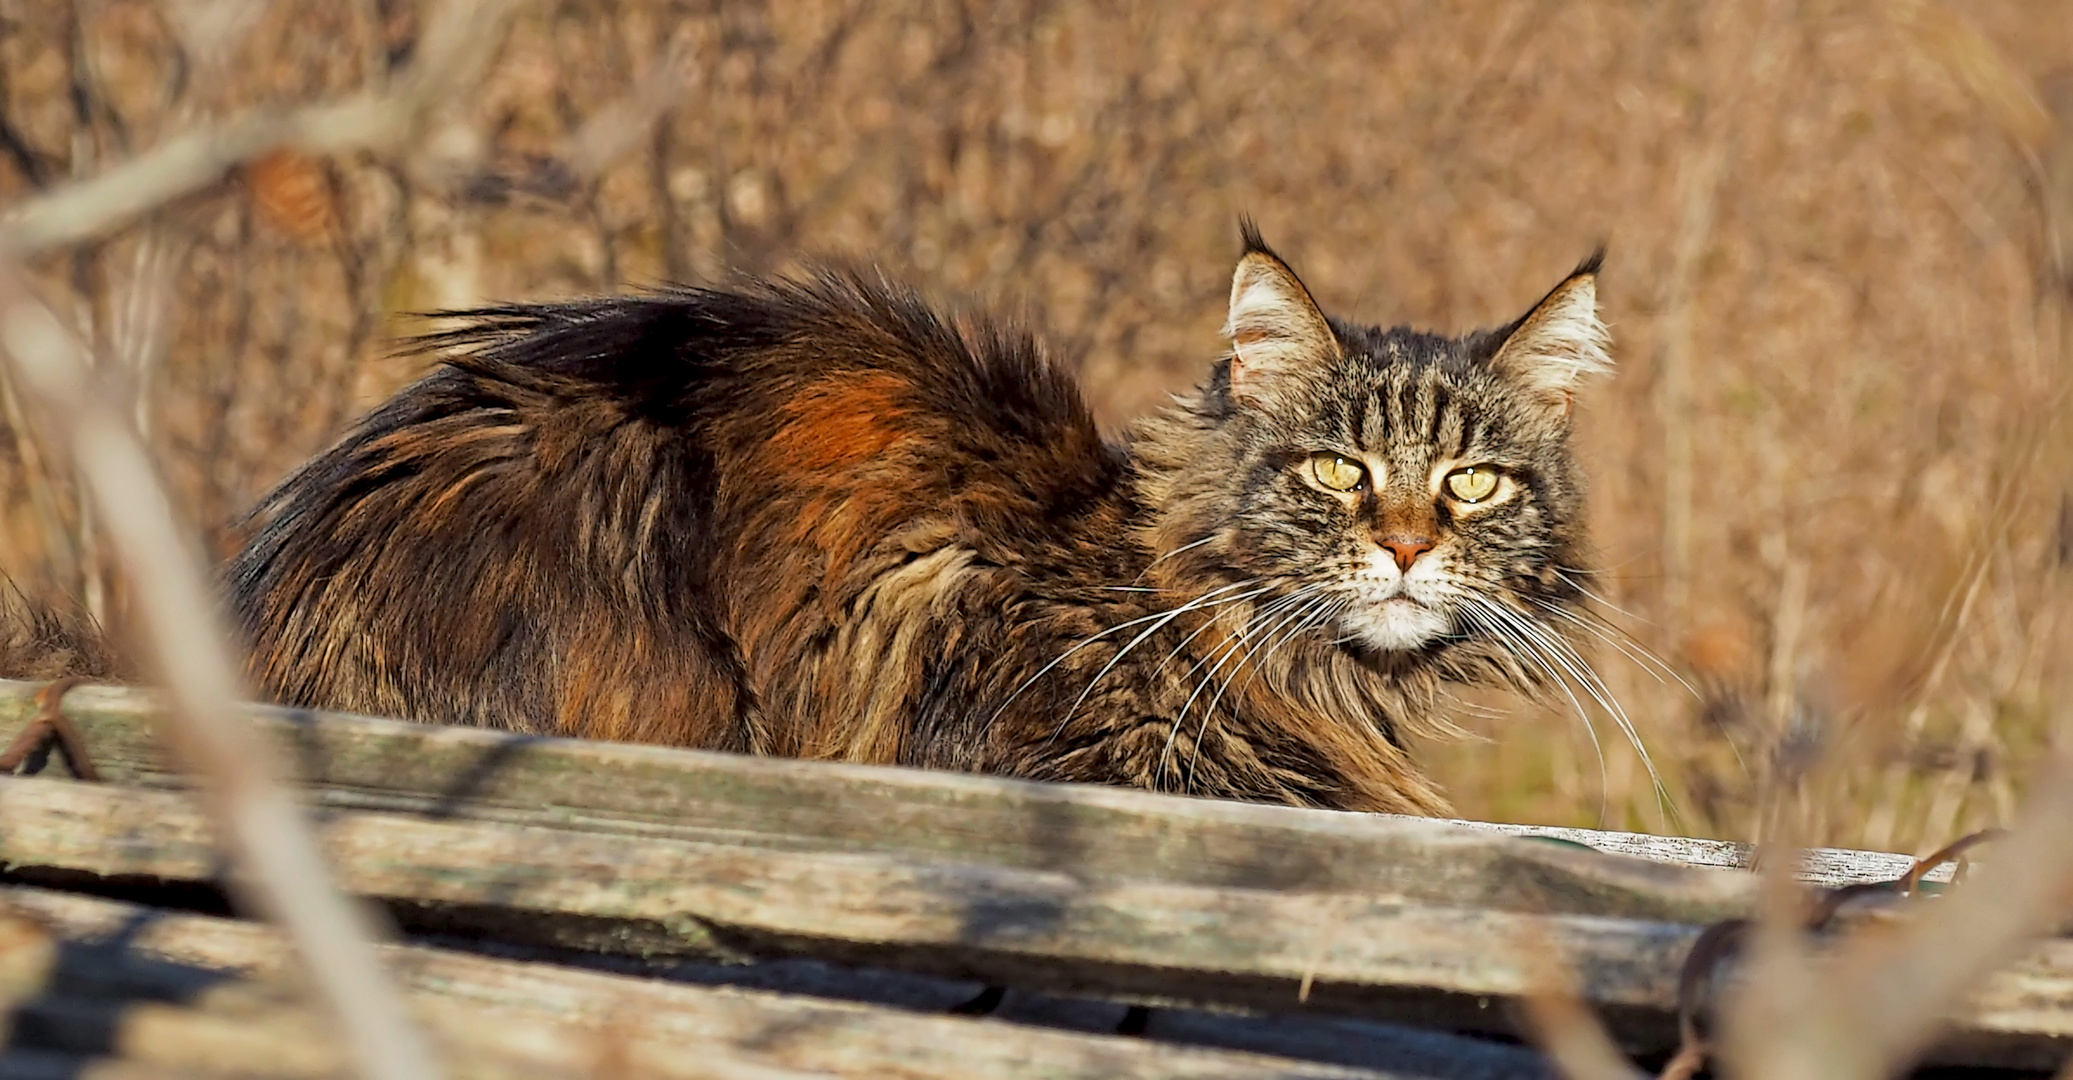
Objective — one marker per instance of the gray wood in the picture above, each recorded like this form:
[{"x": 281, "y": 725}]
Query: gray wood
[
  {"x": 539, "y": 1012},
  {"x": 1094, "y": 833},
  {"x": 1826, "y": 867},
  {"x": 1364, "y": 954},
  {"x": 74, "y": 1005}
]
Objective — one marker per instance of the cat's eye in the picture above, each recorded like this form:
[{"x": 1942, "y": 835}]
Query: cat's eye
[
  {"x": 1473, "y": 484},
  {"x": 1336, "y": 471}
]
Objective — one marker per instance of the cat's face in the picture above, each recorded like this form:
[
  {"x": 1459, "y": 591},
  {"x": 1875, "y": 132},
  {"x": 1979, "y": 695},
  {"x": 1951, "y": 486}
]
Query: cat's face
[{"x": 1407, "y": 490}]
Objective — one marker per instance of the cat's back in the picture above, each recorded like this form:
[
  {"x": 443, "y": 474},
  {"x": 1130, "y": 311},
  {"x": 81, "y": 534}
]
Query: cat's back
[{"x": 660, "y": 517}]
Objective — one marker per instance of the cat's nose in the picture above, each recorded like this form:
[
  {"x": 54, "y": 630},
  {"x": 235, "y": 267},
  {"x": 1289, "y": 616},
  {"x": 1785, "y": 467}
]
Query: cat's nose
[{"x": 1406, "y": 549}]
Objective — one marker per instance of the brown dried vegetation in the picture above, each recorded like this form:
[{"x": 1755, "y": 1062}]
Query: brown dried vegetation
[{"x": 1829, "y": 478}]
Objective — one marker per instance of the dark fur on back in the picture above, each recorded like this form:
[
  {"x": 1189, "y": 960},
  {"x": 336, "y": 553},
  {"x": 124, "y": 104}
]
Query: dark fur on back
[
  {"x": 815, "y": 518},
  {"x": 665, "y": 518}
]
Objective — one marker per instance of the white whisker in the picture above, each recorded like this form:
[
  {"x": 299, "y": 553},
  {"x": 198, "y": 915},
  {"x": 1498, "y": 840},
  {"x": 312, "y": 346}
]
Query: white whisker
[
  {"x": 1554, "y": 647},
  {"x": 1311, "y": 615},
  {"x": 1281, "y": 634},
  {"x": 1265, "y": 612},
  {"x": 1253, "y": 624},
  {"x": 1232, "y": 649},
  {"x": 1184, "y": 547},
  {"x": 1205, "y": 600},
  {"x": 1619, "y": 639},
  {"x": 1524, "y": 649},
  {"x": 1223, "y": 653},
  {"x": 1161, "y": 624},
  {"x": 1330, "y": 611},
  {"x": 1239, "y": 645},
  {"x": 1570, "y": 576}
]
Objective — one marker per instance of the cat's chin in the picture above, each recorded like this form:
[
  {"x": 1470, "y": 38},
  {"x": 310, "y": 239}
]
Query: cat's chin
[{"x": 1399, "y": 624}]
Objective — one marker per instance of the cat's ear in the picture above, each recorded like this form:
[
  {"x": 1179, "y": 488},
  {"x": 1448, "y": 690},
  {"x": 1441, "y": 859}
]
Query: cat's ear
[
  {"x": 1561, "y": 342},
  {"x": 1277, "y": 332}
]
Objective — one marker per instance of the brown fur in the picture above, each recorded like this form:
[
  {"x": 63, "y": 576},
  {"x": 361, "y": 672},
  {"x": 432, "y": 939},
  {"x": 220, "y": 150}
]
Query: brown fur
[{"x": 41, "y": 641}]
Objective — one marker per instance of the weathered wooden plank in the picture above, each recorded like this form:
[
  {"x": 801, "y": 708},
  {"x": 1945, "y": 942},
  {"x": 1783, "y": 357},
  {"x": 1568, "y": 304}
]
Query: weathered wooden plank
[
  {"x": 1363, "y": 954},
  {"x": 1826, "y": 867},
  {"x": 1092, "y": 832},
  {"x": 645, "y": 896},
  {"x": 372, "y": 764},
  {"x": 684, "y": 1025},
  {"x": 75, "y": 1004}
]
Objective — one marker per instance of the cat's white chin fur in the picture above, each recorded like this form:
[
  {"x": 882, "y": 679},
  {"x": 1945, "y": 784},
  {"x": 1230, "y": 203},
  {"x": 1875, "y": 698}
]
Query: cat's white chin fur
[
  {"x": 1394, "y": 618},
  {"x": 1397, "y": 625}
]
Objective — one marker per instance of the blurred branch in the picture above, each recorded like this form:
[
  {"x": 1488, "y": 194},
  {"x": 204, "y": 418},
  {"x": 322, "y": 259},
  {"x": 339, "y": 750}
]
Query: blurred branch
[
  {"x": 1868, "y": 1006},
  {"x": 455, "y": 50},
  {"x": 622, "y": 125},
  {"x": 2003, "y": 91},
  {"x": 1902, "y": 986},
  {"x": 15, "y": 146},
  {"x": 278, "y": 869},
  {"x": 1559, "y": 1022},
  {"x": 1699, "y": 181},
  {"x": 209, "y": 29},
  {"x": 1567, "y": 1032},
  {"x": 140, "y": 324}
]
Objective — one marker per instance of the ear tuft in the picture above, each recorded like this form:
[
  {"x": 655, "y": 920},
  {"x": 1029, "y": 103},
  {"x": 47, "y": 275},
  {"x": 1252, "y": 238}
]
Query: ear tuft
[
  {"x": 1276, "y": 330},
  {"x": 1561, "y": 342}
]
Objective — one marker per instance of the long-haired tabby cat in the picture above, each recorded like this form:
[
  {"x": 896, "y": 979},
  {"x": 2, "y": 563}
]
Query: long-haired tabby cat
[{"x": 816, "y": 518}]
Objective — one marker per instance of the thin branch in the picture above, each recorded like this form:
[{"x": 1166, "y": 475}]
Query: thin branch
[
  {"x": 1867, "y": 1005},
  {"x": 618, "y": 128},
  {"x": 1901, "y": 986},
  {"x": 1559, "y": 1021},
  {"x": 456, "y": 48},
  {"x": 279, "y": 871}
]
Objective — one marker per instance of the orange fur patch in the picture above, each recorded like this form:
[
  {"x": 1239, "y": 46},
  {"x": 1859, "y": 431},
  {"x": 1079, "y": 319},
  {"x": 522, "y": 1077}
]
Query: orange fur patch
[
  {"x": 836, "y": 434},
  {"x": 842, "y": 421}
]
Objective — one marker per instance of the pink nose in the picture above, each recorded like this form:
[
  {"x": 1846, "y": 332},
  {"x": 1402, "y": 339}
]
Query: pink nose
[{"x": 1406, "y": 549}]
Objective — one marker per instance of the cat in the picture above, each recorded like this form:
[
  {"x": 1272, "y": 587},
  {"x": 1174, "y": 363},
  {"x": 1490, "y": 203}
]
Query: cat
[{"x": 813, "y": 517}]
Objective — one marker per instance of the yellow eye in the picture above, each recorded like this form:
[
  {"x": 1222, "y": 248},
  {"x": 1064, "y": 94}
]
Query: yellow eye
[
  {"x": 1337, "y": 472},
  {"x": 1473, "y": 484}
]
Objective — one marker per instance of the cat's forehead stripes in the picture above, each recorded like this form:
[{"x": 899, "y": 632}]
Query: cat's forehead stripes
[{"x": 1414, "y": 409}]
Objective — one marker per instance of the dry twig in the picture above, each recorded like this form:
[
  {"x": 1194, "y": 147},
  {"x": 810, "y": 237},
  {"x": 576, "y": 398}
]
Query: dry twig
[
  {"x": 456, "y": 48},
  {"x": 1868, "y": 1004},
  {"x": 1715, "y": 967},
  {"x": 50, "y": 728},
  {"x": 278, "y": 870},
  {"x": 1562, "y": 1025},
  {"x": 1895, "y": 990}
]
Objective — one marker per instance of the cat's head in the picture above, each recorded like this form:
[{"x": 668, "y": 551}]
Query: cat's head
[{"x": 1414, "y": 493}]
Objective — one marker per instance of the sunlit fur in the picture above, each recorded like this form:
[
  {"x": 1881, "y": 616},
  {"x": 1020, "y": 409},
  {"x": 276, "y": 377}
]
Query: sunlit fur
[{"x": 816, "y": 518}]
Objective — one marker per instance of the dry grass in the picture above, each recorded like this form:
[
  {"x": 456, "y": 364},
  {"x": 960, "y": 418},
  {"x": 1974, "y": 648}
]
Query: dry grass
[{"x": 1830, "y": 480}]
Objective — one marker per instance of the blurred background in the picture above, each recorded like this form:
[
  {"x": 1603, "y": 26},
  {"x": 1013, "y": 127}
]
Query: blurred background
[{"x": 1831, "y": 484}]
